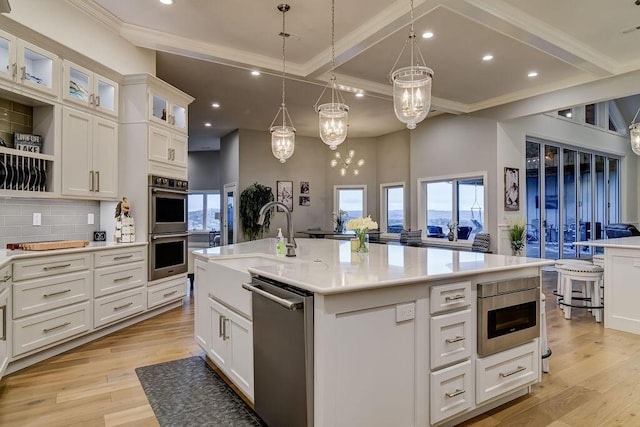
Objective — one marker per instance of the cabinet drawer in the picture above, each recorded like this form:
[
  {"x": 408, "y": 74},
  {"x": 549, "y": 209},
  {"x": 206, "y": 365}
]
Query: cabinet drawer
[
  {"x": 40, "y": 330},
  {"x": 48, "y": 266},
  {"x": 450, "y": 338},
  {"x": 450, "y": 296},
  {"x": 166, "y": 292},
  {"x": 36, "y": 296},
  {"x": 506, "y": 371},
  {"x": 451, "y": 391},
  {"x": 5, "y": 274},
  {"x": 116, "y": 278},
  {"x": 115, "y": 307},
  {"x": 119, "y": 256}
]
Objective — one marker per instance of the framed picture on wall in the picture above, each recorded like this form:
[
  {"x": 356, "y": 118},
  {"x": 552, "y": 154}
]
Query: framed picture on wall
[
  {"x": 304, "y": 187},
  {"x": 305, "y": 201},
  {"x": 285, "y": 194},
  {"x": 511, "y": 189}
]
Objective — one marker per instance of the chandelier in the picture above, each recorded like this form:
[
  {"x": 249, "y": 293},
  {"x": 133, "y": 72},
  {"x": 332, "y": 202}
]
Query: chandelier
[
  {"x": 333, "y": 116},
  {"x": 283, "y": 137},
  {"x": 412, "y": 84},
  {"x": 634, "y": 133},
  {"x": 347, "y": 162}
]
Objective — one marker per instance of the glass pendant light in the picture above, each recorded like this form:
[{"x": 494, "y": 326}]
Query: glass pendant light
[
  {"x": 283, "y": 137},
  {"x": 634, "y": 133},
  {"x": 333, "y": 117},
  {"x": 412, "y": 84},
  {"x": 347, "y": 162}
]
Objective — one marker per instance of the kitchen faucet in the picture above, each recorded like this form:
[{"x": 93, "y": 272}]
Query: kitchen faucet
[{"x": 291, "y": 242}]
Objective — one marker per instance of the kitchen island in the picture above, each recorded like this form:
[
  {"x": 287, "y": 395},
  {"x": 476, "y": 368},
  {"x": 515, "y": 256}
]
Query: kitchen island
[
  {"x": 621, "y": 288},
  {"x": 394, "y": 330}
]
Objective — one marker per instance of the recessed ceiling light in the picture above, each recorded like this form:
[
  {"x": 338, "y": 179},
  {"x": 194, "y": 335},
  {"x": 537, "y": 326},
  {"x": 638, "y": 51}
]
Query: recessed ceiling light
[
  {"x": 215, "y": 105},
  {"x": 427, "y": 35},
  {"x": 359, "y": 94},
  {"x": 255, "y": 73},
  {"x": 166, "y": 1},
  {"x": 207, "y": 124},
  {"x": 532, "y": 74},
  {"x": 487, "y": 57}
]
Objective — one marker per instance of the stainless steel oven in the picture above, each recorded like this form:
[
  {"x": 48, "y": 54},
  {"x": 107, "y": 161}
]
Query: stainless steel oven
[
  {"x": 508, "y": 314},
  {"x": 167, "y": 255},
  {"x": 167, "y": 205}
]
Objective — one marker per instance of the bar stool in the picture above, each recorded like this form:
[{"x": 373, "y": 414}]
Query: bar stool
[
  {"x": 559, "y": 262},
  {"x": 591, "y": 275},
  {"x": 544, "y": 345}
]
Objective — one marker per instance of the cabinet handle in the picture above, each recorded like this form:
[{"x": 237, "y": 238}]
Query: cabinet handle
[
  {"x": 120, "y": 279},
  {"x": 452, "y": 340},
  {"x": 115, "y": 258},
  {"x": 220, "y": 325},
  {"x": 56, "y": 327},
  {"x": 23, "y": 72},
  {"x": 123, "y": 306},
  {"x": 14, "y": 70},
  {"x": 515, "y": 371},
  {"x": 4, "y": 323},
  {"x": 54, "y": 267},
  {"x": 97, "y": 100},
  {"x": 56, "y": 293},
  {"x": 458, "y": 392},
  {"x": 91, "y": 99},
  {"x": 97, "y": 180},
  {"x": 454, "y": 297},
  {"x": 168, "y": 153},
  {"x": 90, "y": 180},
  {"x": 224, "y": 333},
  {"x": 6, "y": 278},
  {"x": 170, "y": 293}
]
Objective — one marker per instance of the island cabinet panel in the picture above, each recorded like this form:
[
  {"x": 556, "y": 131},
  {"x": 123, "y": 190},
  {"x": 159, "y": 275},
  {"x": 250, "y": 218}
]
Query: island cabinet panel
[
  {"x": 621, "y": 290},
  {"x": 451, "y": 339},
  {"x": 451, "y": 391},
  {"x": 450, "y": 296},
  {"x": 202, "y": 326}
]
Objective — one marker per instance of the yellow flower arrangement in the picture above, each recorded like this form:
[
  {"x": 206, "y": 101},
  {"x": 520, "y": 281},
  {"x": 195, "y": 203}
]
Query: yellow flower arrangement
[{"x": 361, "y": 226}]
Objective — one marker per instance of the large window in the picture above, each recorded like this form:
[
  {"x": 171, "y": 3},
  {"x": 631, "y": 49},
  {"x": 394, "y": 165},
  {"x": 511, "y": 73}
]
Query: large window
[
  {"x": 392, "y": 208},
  {"x": 352, "y": 199},
  {"x": 444, "y": 201},
  {"x": 204, "y": 211}
]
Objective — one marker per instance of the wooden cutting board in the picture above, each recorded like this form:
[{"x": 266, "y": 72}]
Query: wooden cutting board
[{"x": 45, "y": 246}]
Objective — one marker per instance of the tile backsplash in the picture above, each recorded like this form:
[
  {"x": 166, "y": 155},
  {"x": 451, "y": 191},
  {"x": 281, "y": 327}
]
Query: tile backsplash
[
  {"x": 61, "y": 220},
  {"x": 14, "y": 117}
]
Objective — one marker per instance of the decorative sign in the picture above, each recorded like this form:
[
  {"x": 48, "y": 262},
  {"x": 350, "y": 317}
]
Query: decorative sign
[{"x": 27, "y": 142}]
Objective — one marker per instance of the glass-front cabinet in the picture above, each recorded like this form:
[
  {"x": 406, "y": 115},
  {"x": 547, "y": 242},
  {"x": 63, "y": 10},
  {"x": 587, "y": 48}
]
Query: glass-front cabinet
[
  {"x": 89, "y": 89},
  {"x": 168, "y": 112},
  {"x": 28, "y": 65}
]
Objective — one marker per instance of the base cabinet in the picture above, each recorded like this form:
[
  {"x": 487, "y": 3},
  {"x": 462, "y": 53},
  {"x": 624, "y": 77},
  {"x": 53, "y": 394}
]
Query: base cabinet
[
  {"x": 5, "y": 318},
  {"x": 451, "y": 391}
]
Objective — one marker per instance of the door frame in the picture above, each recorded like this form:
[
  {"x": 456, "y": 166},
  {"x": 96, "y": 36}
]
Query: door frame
[{"x": 231, "y": 187}]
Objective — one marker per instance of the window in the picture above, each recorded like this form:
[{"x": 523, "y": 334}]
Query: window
[
  {"x": 568, "y": 113},
  {"x": 445, "y": 200},
  {"x": 204, "y": 211},
  {"x": 351, "y": 199},
  {"x": 591, "y": 114},
  {"x": 392, "y": 208}
]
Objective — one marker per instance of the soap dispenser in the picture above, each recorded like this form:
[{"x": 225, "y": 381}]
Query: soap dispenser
[{"x": 280, "y": 243}]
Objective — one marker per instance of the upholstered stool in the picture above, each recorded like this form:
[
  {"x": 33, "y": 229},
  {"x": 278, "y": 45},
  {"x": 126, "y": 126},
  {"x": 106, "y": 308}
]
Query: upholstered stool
[
  {"x": 558, "y": 292},
  {"x": 544, "y": 345},
  {"x": 591, "y": 275},
  {"x": 598, "y": 259}
]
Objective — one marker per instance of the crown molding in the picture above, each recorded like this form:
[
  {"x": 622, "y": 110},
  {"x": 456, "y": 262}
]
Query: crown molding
[{"x": 97, "y": 12}]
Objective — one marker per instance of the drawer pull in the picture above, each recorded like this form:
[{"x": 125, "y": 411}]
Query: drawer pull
[
  {"x": 220, "y": 325},
  {"x": 458, "y": 392},
  {"x": 170, "y": 293},
  {"x": 115, "y": 258},
  {"x": 452, "y": 340},
  {"x": 57, "y": 327},
  {"x": 515, "y": 371},
  {"x": 4, "y": 323},
  {"x": 123, "y": 306},
  {"x": 54, "y": 267},
  {"x": 120, "y": 279},
  {"x": 454, "y": 297},
  {"x": 6, "y": 278},
  {"x": 56, "y": 293}
]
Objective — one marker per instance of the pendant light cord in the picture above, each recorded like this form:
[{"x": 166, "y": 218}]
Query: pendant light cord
[
  {"x": 635, "y": 117},
  {"x": 284, "y": 38},
  {"x": 333, "y": 49}
]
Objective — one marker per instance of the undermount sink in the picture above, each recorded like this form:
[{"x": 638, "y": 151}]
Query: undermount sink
[{"x": 244, "y": 263}]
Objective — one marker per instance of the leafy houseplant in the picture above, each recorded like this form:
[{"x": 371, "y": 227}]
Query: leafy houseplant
[
  {"x": 252, "y": 199},
  {"x": 517, "y": 235}
]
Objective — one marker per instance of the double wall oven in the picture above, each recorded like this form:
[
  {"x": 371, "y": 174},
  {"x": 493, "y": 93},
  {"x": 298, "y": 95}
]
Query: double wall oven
[{"x": 168, "y": 236}]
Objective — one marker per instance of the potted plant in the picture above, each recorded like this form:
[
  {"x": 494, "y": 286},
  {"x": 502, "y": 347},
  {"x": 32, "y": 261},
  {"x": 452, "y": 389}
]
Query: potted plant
[
  {"x": 252, "y": 199},
  {"x": 517, "y": 235}
]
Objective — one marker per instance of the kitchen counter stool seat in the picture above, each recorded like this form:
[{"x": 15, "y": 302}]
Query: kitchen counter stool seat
[
  {"x": 591, "y": 275},
  {"x": 559, "y": 262}
]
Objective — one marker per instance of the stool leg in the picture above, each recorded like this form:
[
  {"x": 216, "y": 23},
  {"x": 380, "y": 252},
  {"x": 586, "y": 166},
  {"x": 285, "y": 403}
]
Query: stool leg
[
  {"x": 567, "y": 290},
  {"x": 597, "y": 300},
  {"x": 543, "y": 337},
  {"x": 559, "y": 287}
]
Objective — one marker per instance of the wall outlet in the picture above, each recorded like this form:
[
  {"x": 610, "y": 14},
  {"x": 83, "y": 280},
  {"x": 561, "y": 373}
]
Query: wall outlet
[
  {"x": 90, "y": 219},
  {"x": 405, "y": 312},
  {"x": 37, "y": 218}
]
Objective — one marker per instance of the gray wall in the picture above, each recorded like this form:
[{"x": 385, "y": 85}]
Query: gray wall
[
  {"x": 230, "y": 158},
  {"x": 204, "y": 170},
  {"x": 61, "y": 220}
]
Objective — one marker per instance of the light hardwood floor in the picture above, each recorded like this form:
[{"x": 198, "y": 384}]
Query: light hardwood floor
[{"x": 594, "y": 378}]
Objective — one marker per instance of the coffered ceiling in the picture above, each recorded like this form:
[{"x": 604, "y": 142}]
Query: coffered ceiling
[{"x": 207, "y": 48}]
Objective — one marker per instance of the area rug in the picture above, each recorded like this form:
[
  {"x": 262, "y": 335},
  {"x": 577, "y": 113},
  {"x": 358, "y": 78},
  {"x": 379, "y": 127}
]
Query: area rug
[{"x": 187, "y": 392}]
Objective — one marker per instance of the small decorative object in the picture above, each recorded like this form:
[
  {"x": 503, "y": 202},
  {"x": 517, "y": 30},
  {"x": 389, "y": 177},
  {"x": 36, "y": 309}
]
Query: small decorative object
[
  {"x": 511, "y": 189},
  {"x": 361, "y": 226},
  {"x": 305, "y": 201},
  {"x": 122, "y": 208},
  {"x": 99, "y": 236},
  {"x": 340, "y": 218},
  {"x": 453, "y": 231},
  {"x": 125, "y": 226},
  {"x": 27, "y": 142},
  {"x": 517, "y": 235},
  {"x": 285, "y": 194}
]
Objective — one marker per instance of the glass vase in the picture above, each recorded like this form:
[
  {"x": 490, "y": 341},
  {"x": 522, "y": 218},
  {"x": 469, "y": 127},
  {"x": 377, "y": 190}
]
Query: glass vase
[{"x": 361, "y": 242}]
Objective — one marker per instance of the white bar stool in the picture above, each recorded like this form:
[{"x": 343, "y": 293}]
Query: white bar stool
[
  {"x": 558, "y": 292},
  {"x": 592, "y": 276}
]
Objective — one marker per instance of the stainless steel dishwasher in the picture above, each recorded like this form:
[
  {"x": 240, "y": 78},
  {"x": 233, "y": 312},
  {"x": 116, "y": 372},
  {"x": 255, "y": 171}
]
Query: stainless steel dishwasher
[{"x": 282, "y": 353}]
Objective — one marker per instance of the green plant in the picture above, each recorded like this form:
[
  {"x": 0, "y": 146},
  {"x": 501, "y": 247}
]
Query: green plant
[
  {"x": 252, "y": 199},
  {"x": 517, "y": 234}
]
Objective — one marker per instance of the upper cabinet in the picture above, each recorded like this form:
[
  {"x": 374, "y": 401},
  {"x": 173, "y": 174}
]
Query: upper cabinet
[
  {"x": 29, "y": 66},
  {"x": 166, "y": 110},
  {"x": 89, "y": 89}
]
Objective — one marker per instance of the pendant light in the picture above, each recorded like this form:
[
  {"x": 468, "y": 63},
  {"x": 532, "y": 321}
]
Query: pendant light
[
  {"x": 283, "y": 137},
  {"x": 634, "y": 133},
  {"x": 347, "y": 162},
  {"x": 333, "y": 117},
  {"x": 412, "y": 84}
]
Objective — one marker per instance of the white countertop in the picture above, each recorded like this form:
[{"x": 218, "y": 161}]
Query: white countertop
[
  {"x": 631, "y": 242},
  {"x": 328, "y": 266}
]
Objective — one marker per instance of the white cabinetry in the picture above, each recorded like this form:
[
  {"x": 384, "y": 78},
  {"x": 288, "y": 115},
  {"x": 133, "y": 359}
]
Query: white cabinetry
[
  {"x": 89, "y": 155},
  {"x": 622, "y": 267},
  {"x": 450, "y": 391},
  {"x": 5, "y": 317},
  {"x": 167, "y": 109},
  {"x": 28, "y": 66},
  {"x": 88, "y": 89},
  {"x": 167, "y": 147}
]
